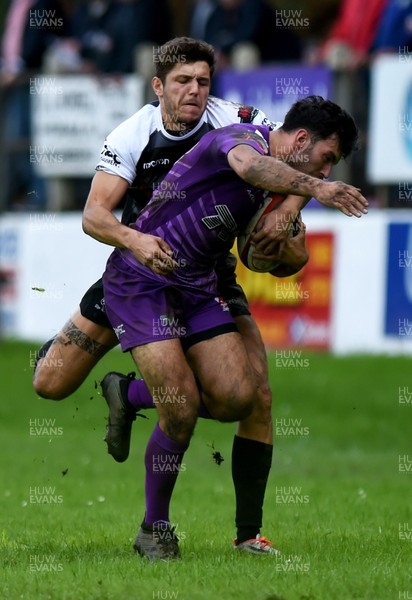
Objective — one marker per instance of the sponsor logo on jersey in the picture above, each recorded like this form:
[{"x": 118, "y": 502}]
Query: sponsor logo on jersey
[
  {"x": 222, "y": 218},
  {"x": 222, "y": 303},
  {"x": 109, "y": 157},
  {"x": 247, "y": 114},
  {"x": 100, "y": 306},
  {"x": 154, "y": 163}
]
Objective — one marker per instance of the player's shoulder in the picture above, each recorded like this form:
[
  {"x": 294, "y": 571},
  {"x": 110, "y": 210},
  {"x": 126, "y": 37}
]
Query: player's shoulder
[
  {"x": 141, "y": 122},
  {"x": 124, "y": 145},
  {"x": 221, "y": 140},
  {"x": 220, "y": 112},
  {"x": 244, "y": 130}
]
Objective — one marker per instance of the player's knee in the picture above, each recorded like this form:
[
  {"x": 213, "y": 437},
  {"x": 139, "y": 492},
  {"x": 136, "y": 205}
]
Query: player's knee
[
  {"x": 48, "y": 383},
  {"x": 44, "y": 383},
  {"x": 263, "y": 402},
  {"x": 235, "y": 405},
  {"x": 179, "y": 429},
  {"x": 235, "y": 412},
  {"x": 45, "y": 387},
  {"x": 179, "y": 424}
]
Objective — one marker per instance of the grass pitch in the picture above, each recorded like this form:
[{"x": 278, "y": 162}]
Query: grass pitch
[{"x": 338, "y": 503}]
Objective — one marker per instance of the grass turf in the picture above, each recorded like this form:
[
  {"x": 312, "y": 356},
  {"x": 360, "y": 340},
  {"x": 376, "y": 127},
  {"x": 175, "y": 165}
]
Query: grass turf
[{"x": 338, "y": 502}]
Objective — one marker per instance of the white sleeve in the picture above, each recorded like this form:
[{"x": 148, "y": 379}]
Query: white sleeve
[
  {"x": 124, "y": 145},
  {"x": 223, "y": 112}
]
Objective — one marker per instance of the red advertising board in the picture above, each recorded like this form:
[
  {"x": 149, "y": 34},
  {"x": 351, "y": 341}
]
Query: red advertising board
[{"x": 294, "y": 311}]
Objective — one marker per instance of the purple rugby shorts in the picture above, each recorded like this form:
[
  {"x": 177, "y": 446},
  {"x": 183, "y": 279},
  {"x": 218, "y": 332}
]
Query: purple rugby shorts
[{"x": 144, "y": 307}]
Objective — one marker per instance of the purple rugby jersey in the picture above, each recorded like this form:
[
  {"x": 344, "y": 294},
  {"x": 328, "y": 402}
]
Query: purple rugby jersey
[
  {"x": 198, "y": 209},
  {"x": 201, "y": 205}
]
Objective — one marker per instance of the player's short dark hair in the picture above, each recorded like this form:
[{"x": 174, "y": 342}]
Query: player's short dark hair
[
  {"x": 182, "y": 50},
  {"x": 322, "y": 118}
]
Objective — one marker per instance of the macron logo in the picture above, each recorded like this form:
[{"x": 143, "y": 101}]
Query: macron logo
[{"x": 119, "y": 330}]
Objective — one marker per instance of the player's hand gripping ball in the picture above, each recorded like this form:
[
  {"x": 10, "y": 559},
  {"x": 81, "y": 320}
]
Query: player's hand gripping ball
[{"x": 245, "y": 247}]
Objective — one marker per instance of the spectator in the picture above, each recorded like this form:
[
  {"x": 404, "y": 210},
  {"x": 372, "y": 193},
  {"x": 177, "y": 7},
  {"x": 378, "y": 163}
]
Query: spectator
[
  {"x": 200, "y": 14},
  {"x": 395, "y": 28},
  {"x": 27, "y": 35},
  {"x": 350, "y": 39},
  {"x": 105, "y": 34},
  {"x": 237, "y": 21}
]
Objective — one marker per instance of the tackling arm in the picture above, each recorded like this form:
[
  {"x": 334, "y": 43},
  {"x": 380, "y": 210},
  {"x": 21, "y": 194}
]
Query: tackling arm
[{"x": 100, "y": 223}]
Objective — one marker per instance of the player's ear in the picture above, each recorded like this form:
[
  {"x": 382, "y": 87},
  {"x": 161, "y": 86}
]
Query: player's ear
[
  {"x": 301, "y": 138},
  {"x": 157, "y": 86}
]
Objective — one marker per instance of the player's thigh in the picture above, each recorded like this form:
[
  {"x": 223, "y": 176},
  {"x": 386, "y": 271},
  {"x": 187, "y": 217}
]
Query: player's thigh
[
  {"x": 172, "y": 384},
  {"x": 224, "y": 372},
  {"x": 74, "y": 352},
  {"x": 255, "y": 348},
  {"x": 90, "y": 336},
  {"x": 258, "y": 425}
]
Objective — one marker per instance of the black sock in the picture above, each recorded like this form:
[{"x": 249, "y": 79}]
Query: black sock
[
  {"x": 41, "y": 353},
  {"x": 251, "y": 462}
]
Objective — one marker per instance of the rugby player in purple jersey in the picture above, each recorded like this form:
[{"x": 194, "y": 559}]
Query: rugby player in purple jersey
[
  {"x": 135, "y": 157},
  {"x": 218, "y": 186}
]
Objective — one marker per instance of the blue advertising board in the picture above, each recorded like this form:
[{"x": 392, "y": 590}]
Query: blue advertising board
[
  {"x": 274, "y": 89},
  {"x": 398, "y": 309}
]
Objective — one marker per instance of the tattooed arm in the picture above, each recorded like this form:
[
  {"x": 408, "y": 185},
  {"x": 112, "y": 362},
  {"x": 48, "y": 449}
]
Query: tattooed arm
[{"x": 276, "y": 176}]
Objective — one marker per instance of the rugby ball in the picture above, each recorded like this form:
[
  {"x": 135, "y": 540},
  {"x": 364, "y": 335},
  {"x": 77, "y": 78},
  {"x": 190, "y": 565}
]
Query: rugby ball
[{"x": 244, "y": 247}]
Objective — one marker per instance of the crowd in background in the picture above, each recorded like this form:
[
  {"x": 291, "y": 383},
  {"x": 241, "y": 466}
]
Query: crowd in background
[{"x": 104, "y": 37}]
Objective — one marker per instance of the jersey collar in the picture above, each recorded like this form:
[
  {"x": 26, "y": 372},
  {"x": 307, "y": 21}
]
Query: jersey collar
[{"x": 169, "y": 136}]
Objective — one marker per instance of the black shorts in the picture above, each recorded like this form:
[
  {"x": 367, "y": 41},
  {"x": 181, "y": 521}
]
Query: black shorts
[
  {"x": 92, "y": 305},
  {"x": 228, "y": 287}
]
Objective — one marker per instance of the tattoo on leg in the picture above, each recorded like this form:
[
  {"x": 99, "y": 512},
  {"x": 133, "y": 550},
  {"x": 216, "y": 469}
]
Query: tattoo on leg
[{"x": 82, "y": 340}]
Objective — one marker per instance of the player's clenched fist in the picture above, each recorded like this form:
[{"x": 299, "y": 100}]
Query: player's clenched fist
[{"x": 155, "y": 253}]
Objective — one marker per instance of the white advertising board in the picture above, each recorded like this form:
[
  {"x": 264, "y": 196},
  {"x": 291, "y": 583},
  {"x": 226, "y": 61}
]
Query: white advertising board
[
  {"x": 71, "y": 117},
  {"x": 390, "y": 121},
  {"x": 51, "y": 263}
]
